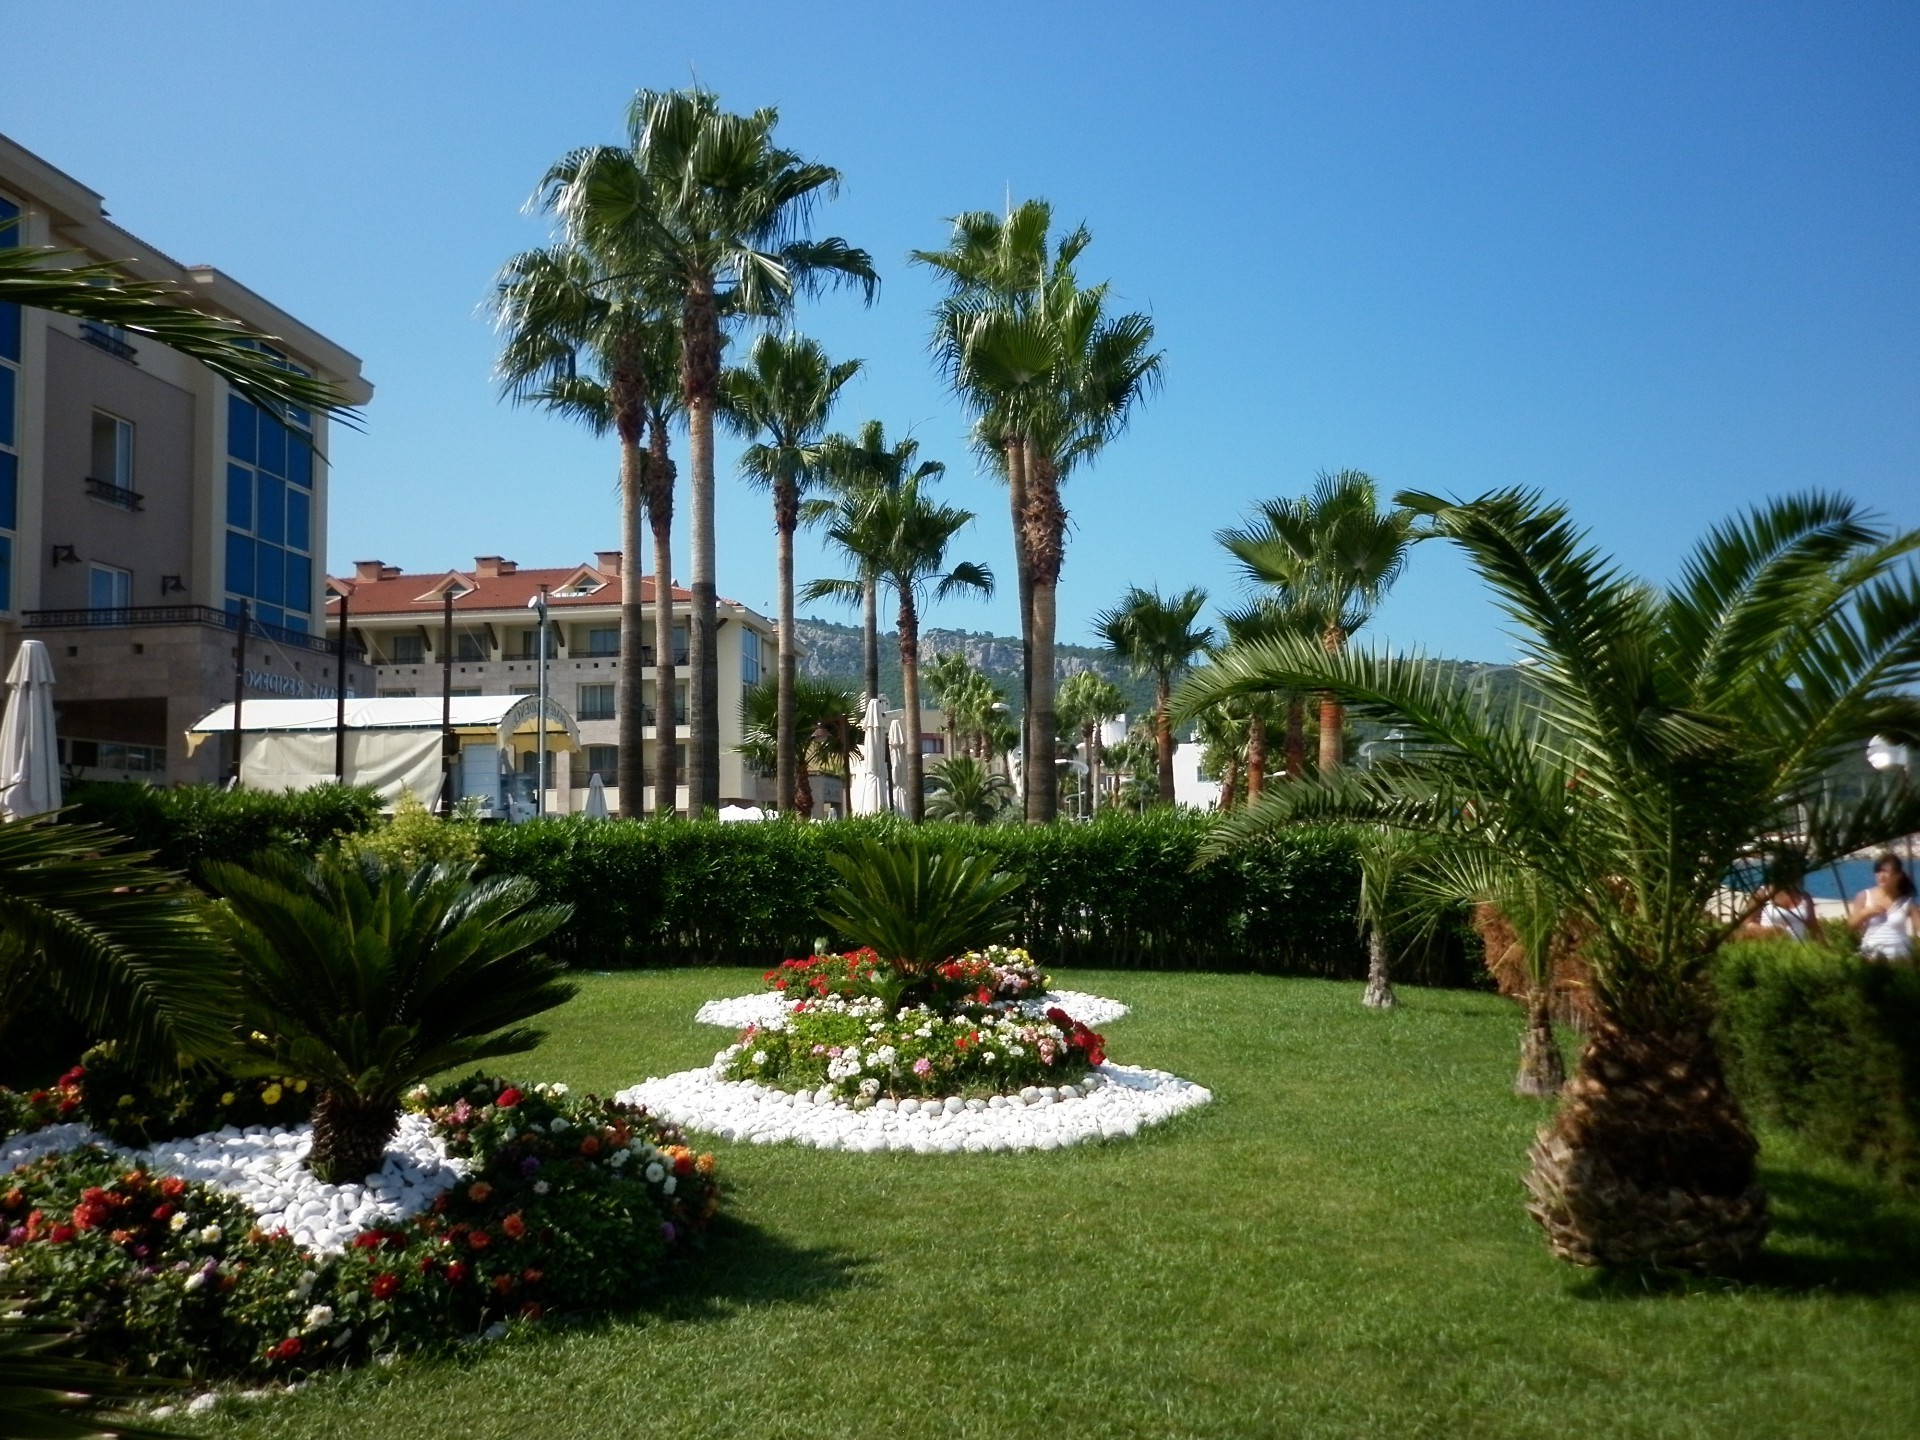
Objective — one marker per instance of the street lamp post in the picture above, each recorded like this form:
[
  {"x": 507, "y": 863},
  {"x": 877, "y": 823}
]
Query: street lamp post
[
  {"x": 1884, "y": 754},
  {"x": 538, "y": 604}
]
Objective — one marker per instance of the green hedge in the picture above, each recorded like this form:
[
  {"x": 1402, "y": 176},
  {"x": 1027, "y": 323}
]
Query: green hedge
[
  {"x": 1119, "y": 893},
  {"x": 1822, "y": 1042},
  {"x": 191, "y": 824}
]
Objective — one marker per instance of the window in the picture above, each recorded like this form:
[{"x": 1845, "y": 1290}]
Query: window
[
  {"x": 603, "y": 640},
  {"x": 406, "y": 650},
  {"x": 523, "y": 689},
  {"x": 112, "y": 451},
  {"x": 464, "y": 690},
  {"x": 469, "y": 647},
  {"x": 270, "y": 510},
  {"x": 596, "y": 702},
  {"x": 679, "y": 644},
  {"x": 604, "y": 761},
  {"x": 932, "y": 744},
  {"x": 108, "y": 588},
  {"x": 749, "y": 656},
  {"x": 9, "y": 423},
  {"x": 386, "y": 694},
  {"x": 530, "y": 645}
]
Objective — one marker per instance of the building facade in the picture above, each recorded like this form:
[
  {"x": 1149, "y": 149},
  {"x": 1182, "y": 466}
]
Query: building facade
[
  {"x": 142, "y": 505},
  {"x": 399, "y": 619}
]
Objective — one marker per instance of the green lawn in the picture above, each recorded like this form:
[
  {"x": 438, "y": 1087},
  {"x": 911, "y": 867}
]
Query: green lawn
[{"x": 1334, "y": 1247}]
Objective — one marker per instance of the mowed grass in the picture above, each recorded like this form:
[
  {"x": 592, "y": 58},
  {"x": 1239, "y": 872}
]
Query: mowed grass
[{"x": 1334, "y": 1247}]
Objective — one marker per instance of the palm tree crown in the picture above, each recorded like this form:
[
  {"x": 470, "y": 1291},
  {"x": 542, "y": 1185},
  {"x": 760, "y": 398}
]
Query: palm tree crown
[{"x": 1155, "y": 636}]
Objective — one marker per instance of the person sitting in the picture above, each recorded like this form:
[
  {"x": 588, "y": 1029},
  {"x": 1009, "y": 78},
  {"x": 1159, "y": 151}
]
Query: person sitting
[
  {"x": 1786, "y": 913},
  {"x": 1883, "y": 914}
]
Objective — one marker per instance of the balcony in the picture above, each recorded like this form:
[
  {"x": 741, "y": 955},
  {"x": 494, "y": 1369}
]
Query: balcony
[
  {"x": 147, "y": 615},
  {"x": 116, "y": 494},
  {"x": 110, "y": 338}
]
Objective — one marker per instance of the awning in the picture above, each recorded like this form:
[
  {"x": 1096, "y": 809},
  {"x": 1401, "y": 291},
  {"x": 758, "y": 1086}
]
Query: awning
[{"x": 509, "y": 720}]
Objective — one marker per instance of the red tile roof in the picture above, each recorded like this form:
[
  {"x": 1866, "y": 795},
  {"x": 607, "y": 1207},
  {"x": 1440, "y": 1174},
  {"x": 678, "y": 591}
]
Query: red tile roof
[{"x": 394, "y": 593}]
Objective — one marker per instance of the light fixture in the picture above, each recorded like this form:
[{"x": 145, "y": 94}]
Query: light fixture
[
  {"x": 169, "y": 584},
  {"x": 65, "y": 553}
]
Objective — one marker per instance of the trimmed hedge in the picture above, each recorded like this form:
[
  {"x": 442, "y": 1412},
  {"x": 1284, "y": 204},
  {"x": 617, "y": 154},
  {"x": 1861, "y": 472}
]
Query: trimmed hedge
[
  {"x": 190, "y": 824},
  {"x": 1827, "y": 1045}
]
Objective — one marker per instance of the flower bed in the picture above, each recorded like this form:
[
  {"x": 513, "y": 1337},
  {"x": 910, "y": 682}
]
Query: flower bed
[{"x": 540, "y": 1201}]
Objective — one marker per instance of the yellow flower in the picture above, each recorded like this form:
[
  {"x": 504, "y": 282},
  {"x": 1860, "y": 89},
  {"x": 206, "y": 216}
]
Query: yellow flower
[
  {"x": 271, "y": 1095},
  {"x": 299, "y": 1087},
  {"x": 125, "y": 1100},
  {"x": 227, "y": 1099}
]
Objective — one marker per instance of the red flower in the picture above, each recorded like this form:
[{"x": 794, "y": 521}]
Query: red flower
[
  {"x": 983, "y": 995},
  {"x": 163, "y": 1212},
  {"x": 458, "y": 1271},
  {"x": 479, "y": 1240},
  {"x": 173, "y": 1187},
  {"x": 530, "y": 1310},
  {"x": 60, "y": 1234},
  {"x": 502, "y": 1284},
  {"x": 514, "y": 1226},
  {"x": 286, "y": 1349},
  {"x": 367, "y": 1240},
  {"x": 509, "y": 1098},
  {"x": 426, "y": 1265},
  {"x": 479, "y": 1191},
  {"x": 531, "y": 1276},
  {"x": 384, "y": 1285},
  {"x": 590, "y": 1145}
]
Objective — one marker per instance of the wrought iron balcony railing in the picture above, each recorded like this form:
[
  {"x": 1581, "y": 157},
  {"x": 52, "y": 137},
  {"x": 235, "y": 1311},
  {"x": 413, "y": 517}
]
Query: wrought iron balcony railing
[
  {"x": 116, "y": 494},
  {"x": 144, "y": 615}
]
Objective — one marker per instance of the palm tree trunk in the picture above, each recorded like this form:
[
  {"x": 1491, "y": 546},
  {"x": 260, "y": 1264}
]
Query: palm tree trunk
[
  {"x": 1163, "y": 735},
  {"x": 1229, "y": 782},
  {"x": 350, "y": 1136},
  {"x": 803, "y": 792},
  {"x": 786, "y": 519},
  {"x": 1256, "y": 758},
  {"x": 1649, "y": 1160},
  {"x": 1332, "y": 714},
  {"x": 1023, "y": 570},
  {"x": 1089, "y": 745},
  {"x": 700, "y": 373},
  {"x": 660, "y": 476},
  {"x": 1043, "y": 775},
  {"x": 1379, "y": 993},
  {"x": 630, "y": 771},
  {"x": 1542, "y": 1071},
  {"x": 910, "y": 685},
  {"x": 870, "y": 632},
  {"x": 1296, "y": 736}
]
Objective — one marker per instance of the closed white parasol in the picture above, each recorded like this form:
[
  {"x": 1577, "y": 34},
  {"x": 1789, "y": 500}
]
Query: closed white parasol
[
  {"x": 869, "y": 780},
  {"x": 29, "y": 754}
]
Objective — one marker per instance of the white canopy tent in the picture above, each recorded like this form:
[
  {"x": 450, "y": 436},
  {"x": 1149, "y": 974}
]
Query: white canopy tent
[{"x": 393, "y": 744}]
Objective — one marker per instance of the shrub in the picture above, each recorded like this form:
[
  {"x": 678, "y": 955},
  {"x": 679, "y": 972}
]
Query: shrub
[
  {"x": 1827, "y": 1045},
  {"x": 189, "y": 825},
  {"x": 917, "y": 903},
  {"x": 415, "y": 836}
]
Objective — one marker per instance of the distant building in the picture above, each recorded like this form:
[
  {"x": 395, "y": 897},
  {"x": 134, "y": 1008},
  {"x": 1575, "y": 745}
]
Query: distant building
[
  {"x": 398, "y": 619},
  {"x": 141, "y": 503}
]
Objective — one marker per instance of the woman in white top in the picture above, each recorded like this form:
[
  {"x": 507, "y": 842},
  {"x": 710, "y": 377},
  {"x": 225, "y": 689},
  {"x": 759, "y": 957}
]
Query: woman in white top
[
  {"x": 1883, "y": 916},
  {"x": 1787, "y": 914}
]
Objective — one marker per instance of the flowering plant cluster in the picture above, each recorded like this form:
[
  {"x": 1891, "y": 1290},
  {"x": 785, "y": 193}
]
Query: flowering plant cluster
[
  {"x": 22, "y": 1111},
  {"x": 860, "y": 1052},
  {"x": 996, "y": 975},
  {"x": 569, "y": 1204},
  {"x": 132, "y": 1109}
]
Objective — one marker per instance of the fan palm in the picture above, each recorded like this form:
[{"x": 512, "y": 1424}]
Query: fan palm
[
  {"x": 900, "y": 537},
  {"x": 585, "y": 338},
  {"x": 784, "y": 393},
  {"x": 376, "y": 978},
  {"x": 705, "y": 203},
  {"x": 1332, "y": 554},
  {"x": 962, "y": 789},
  {"x": 1087, "y": 701},
  {"x": 1666, "y": 736},
  {"x": 1155, "y": 636},
  {"x": 820, "y": 714},
  {"x": 120, "y": 945}
]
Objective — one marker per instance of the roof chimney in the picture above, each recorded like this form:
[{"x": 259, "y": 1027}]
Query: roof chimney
[
  {"x": 607, "y": 562},
  {"x": 388, "y": 572},
  {"x": 367, "y": 569},
  {"x": 491, "y": 567}
]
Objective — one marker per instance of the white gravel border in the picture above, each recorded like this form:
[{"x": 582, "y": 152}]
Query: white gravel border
[
  {"x": 767, "y": 1008},
  {"x": 1122, "y": 1099}
]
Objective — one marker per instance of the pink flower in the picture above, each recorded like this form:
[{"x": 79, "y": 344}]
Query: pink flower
[{"x": 922, "y": 1065}]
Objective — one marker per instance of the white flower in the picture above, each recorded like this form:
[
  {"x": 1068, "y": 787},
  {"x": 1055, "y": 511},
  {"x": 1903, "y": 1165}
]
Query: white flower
[
  {"x": 669, "y": 1185},
  {"x": 656, "y": 1172},
  {"x": 559, "y": 1124},
  {"x": 540, "y": 1187},
  {"x": 210, "y": 1235},
  {"x": 618, "y": 1158},
  {"x": 1014, "y": 1052},
  {"x": 870, "y": 1087},
  {"x": 196, "y": 1280},
  {"x": 925, "y": 1032},
  {"x": 988, "y": 1056},
  {"x": 318, "y": 1317},
  {"x": 759, "y": 1057},
  {"x": 179, "y": 1222},
  {"x": 886, "y": 1055}
]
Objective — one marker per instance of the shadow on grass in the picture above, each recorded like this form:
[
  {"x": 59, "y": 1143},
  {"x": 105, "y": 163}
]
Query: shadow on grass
[
  {"x": 1832, "y": 1235},
  {"x": 743, "y": 1265}
]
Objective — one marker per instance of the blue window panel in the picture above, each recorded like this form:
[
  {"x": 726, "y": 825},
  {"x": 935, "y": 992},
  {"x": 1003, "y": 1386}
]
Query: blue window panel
[
  {"x": 300, "y": 460},
  {"x": 10, "y": 236},
  {"x": 295, "y": 623},
  {"x": 270, "y": 517},
  {"x": 243, "y": 424},
  {"x": 269, "y": 615},
  {"x": 273, "y": 445},
  {"x": 6, "y": 572},
  {"x": 240, "y": 497},
  {"x": 299, "y": 528},
  {"x": 9, "y": 332},
  {"x": 269, "y": 573},
  {"x": 9, "y": 491},
  {"x": 6, "y": 405},
  {"x": 299, "y": 582},
  {"x": 239, "y": 563}
]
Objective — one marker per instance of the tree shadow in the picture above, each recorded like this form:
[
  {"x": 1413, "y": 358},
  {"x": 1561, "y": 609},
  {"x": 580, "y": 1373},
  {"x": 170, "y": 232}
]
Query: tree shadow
[
  {"x": 742, "y": 1265},
  {"x": 1832, "y": 1235}
]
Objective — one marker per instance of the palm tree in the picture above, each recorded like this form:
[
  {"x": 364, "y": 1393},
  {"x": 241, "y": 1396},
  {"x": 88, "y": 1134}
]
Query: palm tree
[
  {"x": 1155, "y": 636},
  {"x": 821, "y": 713},
  {"x": 1052, "y": 378},
  {"x": 59, "y": 280},
  {"x": 121, "y": 946},
  {"x": 705, "y": 203},
  {"x": 584, "y": 338},
  {"x": 961, "y": 789},
  {"x": 1333, "y": 554},
  {"x": 784, "y": 392},
  {"x": 852, "y": 465},
  {"x": 901, "y": 538},
  {"x": 1087, "y": 701},
  {"x": 377, "y": 978},
  {"x": 1666, "y": 735}
]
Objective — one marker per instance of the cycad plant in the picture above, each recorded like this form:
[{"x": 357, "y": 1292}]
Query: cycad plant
[
  {"x": 917, "y": 904},
  {"x": 1667, "y": 735},
  {"x": 46, "y": 1395},
  {"x": 371, "y": 979}
]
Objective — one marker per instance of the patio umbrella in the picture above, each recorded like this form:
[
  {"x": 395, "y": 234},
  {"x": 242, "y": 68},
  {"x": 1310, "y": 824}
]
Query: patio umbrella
[
  {"x": 869, "y": 795},
  {"x": 730, "y": 813},
  {"x": 596, "y": 806},
  {"x": 29, "y": 756},
  {"x": 896, "y": 757}
]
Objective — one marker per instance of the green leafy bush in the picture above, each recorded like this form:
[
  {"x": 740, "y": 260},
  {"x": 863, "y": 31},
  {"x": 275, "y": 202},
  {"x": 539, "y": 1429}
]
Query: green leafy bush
[
  {"x": 1819, "y": 1041},
  {"x": 189, "y": 825},
  {"x": 917, "y": 902},
  {"x": 415, "y": 836}
]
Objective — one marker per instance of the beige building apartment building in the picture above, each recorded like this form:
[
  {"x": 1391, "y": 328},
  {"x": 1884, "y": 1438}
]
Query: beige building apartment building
[
  {"x": 399, "y": 620},
  {"x": 142, "y": 504}
]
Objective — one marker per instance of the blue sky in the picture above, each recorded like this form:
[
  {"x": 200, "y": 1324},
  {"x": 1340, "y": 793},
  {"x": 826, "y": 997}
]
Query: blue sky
[{"x": 1657, "y": 260}]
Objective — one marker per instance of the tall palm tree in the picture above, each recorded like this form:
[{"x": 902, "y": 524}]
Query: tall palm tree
[
  {"x": 585, "y": 338},
  {"x": 1155, "y": 636},
  {"x": 1087, "y": 701},
  {"x": 1666, "y": 735},
  {"x": 784, "y": 393},
  {"x": 1052, "y": 377},
  {"x": 706, "y": 203},
  {"x": 901, "y": 537},
  {"x": 852, "y": 465},
  {"x": 1333, "y": 554}
]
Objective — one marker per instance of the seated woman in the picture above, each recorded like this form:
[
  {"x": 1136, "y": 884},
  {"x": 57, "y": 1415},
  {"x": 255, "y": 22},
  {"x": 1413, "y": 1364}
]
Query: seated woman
[
  {"x": 1883, "y": 915},
  {"x": 1785, "y": 914}
]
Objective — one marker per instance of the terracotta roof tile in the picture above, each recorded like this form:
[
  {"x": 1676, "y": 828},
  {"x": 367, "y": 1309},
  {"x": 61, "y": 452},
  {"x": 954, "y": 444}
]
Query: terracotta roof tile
[{"x": 420, "y": 593}]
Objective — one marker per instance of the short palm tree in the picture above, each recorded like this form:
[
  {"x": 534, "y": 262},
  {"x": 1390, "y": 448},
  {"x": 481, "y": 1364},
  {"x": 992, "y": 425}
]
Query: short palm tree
[
  {"x": 901, "y": 537},
  {"x": 782, "y": 397},
  {"x": 1087, "y": 701},
  {"x": 373, "y": 978},
  {"x": 1155, "y": 636},
  {"x": 705, "y": 202},
  {"x": 1331, "y": 554},
  {"x": 961, "y": 789},
  {"x": 1667, "y": 735},
  {"x": 820, "y": 715}
]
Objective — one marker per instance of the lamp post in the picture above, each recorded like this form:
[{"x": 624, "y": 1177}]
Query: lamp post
[
  {"x": 449, "y": 747},
  {"x": 538, "y": 604},
  {"x": 1885, "y": 754}
]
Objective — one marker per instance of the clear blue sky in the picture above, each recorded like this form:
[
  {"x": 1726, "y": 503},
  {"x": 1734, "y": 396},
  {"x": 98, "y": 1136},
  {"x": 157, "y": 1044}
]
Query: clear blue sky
[{"x": 1655, "y": 259}]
